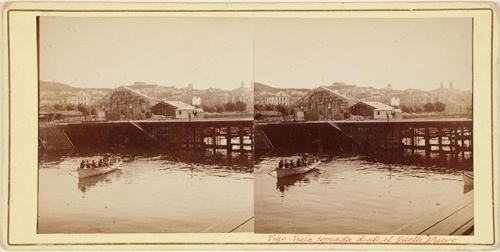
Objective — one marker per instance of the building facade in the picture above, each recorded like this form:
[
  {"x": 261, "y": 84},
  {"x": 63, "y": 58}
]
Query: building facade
[
  {"x": 375, "y": 110},
  {"x": 176, "y": 110},
  {"x": 325, "y": 104},
  {"x": 279, "y": 98},
  {"x": 80, "y": 98},
  {"x": 124, "y": 103},
  {"x": 242, "y": 94}
]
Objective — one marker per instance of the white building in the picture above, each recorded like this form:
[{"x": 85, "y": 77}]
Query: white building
[
  {"x": 395, "y": 101},
  {"x": 279, "y": 98},
  {"x": 196, "y": 101},
  {"x": 375, "y": 110},
  {"x": 176, "y": 110},
  {"x": 79, "y": 98}
]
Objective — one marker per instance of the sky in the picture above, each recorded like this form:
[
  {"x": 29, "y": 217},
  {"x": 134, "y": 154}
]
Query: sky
[
  {"x": 109, "y": 52},
  {"x": 282, "y": 52},
  {"x": 406, "y": 53}
]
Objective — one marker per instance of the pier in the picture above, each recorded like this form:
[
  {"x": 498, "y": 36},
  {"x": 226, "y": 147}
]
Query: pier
[
  {"x": 428, "y": 138},
  {"x": 226, "y": 136}
]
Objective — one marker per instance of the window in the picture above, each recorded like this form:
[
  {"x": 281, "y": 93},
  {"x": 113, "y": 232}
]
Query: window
[
  {"x": 180, "y": 112},
  {"x": 378, "y": 112}
]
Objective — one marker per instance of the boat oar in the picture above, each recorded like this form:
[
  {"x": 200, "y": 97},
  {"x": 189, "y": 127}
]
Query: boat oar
[{"x": 269, "y": 173}]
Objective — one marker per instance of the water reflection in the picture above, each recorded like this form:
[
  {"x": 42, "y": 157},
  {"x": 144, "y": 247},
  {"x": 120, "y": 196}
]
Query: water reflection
[
  {"x": 149, "y": 193},
  {"x": 350, "y": 194},
  {"x": 85, "y": 184},
  {"x": 282, "y": 184}
]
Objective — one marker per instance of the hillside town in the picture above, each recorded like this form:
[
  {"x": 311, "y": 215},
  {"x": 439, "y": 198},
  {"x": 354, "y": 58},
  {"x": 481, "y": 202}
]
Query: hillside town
[
  {"x": 341, "y": 101},
  {"x": 141, "y": 101}
]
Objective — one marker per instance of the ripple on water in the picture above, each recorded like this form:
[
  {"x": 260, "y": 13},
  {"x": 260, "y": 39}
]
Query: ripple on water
[
  {"x": 350, "y": 195},
  {"x": 146, "y": 194}
]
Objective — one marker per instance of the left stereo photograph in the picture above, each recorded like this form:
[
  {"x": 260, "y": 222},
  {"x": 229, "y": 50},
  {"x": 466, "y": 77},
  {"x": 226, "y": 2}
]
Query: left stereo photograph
[{"x": 145, "y": 125}]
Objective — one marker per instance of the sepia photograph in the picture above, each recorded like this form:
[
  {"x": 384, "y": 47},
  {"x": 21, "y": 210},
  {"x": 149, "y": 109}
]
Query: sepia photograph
[
  {"x": 364, "y": 126},
  {"x": 145, "y": 125},
  {"x": 283, "y": 126}
]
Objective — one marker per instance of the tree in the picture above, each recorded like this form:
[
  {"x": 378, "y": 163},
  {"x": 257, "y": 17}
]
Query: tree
[
  {"x": 429, "y": 107},
  {"x": 240, "y": 106},
  {"x": 258, "y": 107},
  {"x": 270, "y": 107},
  {"x": 82, "y": 108},
  {"x": 406, "y": 109},
  {"x": 258, "y": 116},
  {"x": 284, "y": 110},
  {"x": 440, "y": 107},
  {"x": 219, "y": 108},
  {"x": 209, "y": 109},
  {"x": 70, "y": 107},
  {"x": 58, "y": 106},
  {"x": 230, "y": 107},
  {"x": 417, "y": 109}
]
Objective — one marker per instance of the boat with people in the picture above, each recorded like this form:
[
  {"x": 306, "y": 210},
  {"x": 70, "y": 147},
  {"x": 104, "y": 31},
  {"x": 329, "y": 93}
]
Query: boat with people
[
  {"x": 303, "y": 165},
  {"x": 102, "y": 166}
]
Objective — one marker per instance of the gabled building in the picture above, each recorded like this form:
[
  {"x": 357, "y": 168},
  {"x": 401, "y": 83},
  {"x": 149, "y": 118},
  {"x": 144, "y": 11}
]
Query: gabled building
[
  {"x": 176, "y": 110},
  {"x": 375, "y": 110},
  {"x": 125, "y": 103},
  {"x": 325, "y": 104}
]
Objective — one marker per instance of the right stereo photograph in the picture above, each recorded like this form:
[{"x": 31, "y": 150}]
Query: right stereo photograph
[{"x": 363, "y": 126}]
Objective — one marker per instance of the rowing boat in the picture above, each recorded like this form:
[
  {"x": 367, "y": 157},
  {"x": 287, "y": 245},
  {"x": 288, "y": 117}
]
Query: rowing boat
[
  {"x": 89, "y": 172},
  {"x": 285, "y": 172}
]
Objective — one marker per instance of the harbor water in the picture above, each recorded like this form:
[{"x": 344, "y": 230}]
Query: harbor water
[
  {"x": 349, "y": 195},
  {"x": 147, "y": 194}
]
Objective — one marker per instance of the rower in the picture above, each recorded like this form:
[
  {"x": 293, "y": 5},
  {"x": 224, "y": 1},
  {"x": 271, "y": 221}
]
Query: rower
[
  {"x": 82, "y": 164},
  {"x": 280, "y": 164}
]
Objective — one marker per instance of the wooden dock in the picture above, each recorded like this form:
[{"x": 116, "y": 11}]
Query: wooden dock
[
  {"x": 433, "y": 138},
  {"x": 454, "y": 219},
  {"x": 230, "y": 136},
  {"x": 53, "y": 138}
]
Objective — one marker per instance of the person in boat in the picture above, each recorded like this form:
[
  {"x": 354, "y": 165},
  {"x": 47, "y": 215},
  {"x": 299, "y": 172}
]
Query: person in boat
[
  {"x": 100, "y": 163},
  {"x": 82, "y": 164},
  {"x": 106, "y": 160},
  {"x": 299, "y": 162},
  {"x": 292, "y": 164},
  {"x": 87, "y": 164},
  {"x": 94, "y": 164},
  {"x": 287, "y": 165},
  {"x": 280, "y": 164}
]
